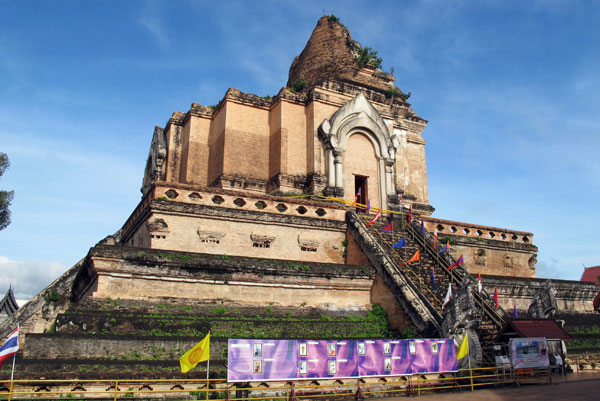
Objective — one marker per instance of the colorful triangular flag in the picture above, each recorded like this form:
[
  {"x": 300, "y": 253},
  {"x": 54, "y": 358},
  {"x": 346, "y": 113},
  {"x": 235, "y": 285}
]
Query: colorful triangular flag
[
  {"x": 515, "y": 312},
  {"x": 415, "y": 257},
  {"x": 368, "y": 206},
  {"x": 457, "y": 263},
  {"x": 422, "y": 228},
  {"x": 409, "y": 214},
  {"x": 400, "y": 243},
  {"x": 374, "y": 219},
  {"x": 388, "y": 227},
  {"x": 435, "y": 239},
  {"x": 433, "y": 279},
  {"x": 479, "y": 286},
  {"x": 446, "y": 247},
  {"x": 357, "y": 197}
]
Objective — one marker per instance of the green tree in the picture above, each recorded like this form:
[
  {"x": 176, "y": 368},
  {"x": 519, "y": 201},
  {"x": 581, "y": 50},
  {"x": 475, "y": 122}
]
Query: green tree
[{"x": 5, "y": 196}]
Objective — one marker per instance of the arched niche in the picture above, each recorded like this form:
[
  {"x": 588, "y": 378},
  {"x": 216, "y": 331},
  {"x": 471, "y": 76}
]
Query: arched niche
[{"x": 358, "y": 116}]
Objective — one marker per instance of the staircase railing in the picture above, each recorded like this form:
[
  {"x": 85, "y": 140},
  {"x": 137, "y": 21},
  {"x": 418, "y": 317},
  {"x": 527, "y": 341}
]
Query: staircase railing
[{"x": 456, "y": 274}]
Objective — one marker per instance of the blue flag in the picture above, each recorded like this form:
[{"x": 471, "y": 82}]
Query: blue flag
[
  {"x": 400, "y": 243},
  {"x": 433, "y": 279}
]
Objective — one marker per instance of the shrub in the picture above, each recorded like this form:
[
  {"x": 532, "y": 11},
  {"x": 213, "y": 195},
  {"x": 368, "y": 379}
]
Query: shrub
[
  {"x": 368, "y": 56},
  {"x": 298, "y": 85}
]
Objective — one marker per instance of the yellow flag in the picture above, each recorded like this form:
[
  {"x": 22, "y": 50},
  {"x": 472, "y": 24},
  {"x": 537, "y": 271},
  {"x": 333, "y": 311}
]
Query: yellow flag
[
  {"x": 463, "y": 350},
  {"x": 200, "y": 352}
]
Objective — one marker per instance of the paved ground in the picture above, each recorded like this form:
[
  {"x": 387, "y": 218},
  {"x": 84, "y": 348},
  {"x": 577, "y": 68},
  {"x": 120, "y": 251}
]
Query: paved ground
[{"x": 576, "y": 386}]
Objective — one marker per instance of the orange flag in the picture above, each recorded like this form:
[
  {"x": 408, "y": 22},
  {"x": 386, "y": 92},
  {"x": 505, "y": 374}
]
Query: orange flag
[{"x": 415, "y": 257}]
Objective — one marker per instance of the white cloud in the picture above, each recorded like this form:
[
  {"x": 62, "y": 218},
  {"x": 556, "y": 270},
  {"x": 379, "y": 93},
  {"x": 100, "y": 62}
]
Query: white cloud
[
  {"x": 28, "y": 277},
  {"x": 152, "y": 22}
]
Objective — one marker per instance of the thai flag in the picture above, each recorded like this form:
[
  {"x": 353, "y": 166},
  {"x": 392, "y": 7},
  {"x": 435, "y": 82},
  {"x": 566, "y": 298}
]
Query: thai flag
[
  {"x": 446, "y": 247},
  {"x": 374, "y": 219},
  {"x": 10, "y": 347},
  {"x": 389, "y": 227}
]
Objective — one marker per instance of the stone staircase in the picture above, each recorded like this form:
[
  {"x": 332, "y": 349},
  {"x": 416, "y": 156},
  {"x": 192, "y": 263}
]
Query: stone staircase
[{"x": 413, "y": 286}]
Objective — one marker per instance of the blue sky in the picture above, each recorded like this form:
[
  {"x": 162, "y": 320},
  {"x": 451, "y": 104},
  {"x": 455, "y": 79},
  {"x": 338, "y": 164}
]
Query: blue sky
[{"x": 510, "y": 90}]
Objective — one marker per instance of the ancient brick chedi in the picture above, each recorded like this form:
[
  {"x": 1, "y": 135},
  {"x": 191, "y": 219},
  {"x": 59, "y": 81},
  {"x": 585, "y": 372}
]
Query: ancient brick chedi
[{"x": 248, "y": 205}]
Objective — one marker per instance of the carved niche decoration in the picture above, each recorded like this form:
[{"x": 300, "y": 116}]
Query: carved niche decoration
[
  {"x": 480, "y": 257},
  {"x": 158, "y": 228},
  {"x": 358, "y": 115},
  {"x": 213, "y": 237},
  {"x": 508, "y": 261},
  {"x": 308, "y": 245},
  {"x": 261, "y": 241}
]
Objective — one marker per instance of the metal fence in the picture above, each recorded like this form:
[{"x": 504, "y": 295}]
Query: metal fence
[{"x": 202, "y": 389}]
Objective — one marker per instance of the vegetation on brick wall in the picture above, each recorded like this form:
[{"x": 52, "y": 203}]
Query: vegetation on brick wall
[{"x": 368, "y": 56}]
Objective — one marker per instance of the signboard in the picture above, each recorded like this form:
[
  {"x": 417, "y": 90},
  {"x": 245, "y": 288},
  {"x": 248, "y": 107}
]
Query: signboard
[
  {"x": 528, "y": 353},
  {"x": 262, "y": 360}
]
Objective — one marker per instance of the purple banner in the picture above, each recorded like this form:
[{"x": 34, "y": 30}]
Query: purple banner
[
  {"x": 383, "y": 357},
  {"x": 262, "y": 360},
  {"x": 432, "y": 355}
]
